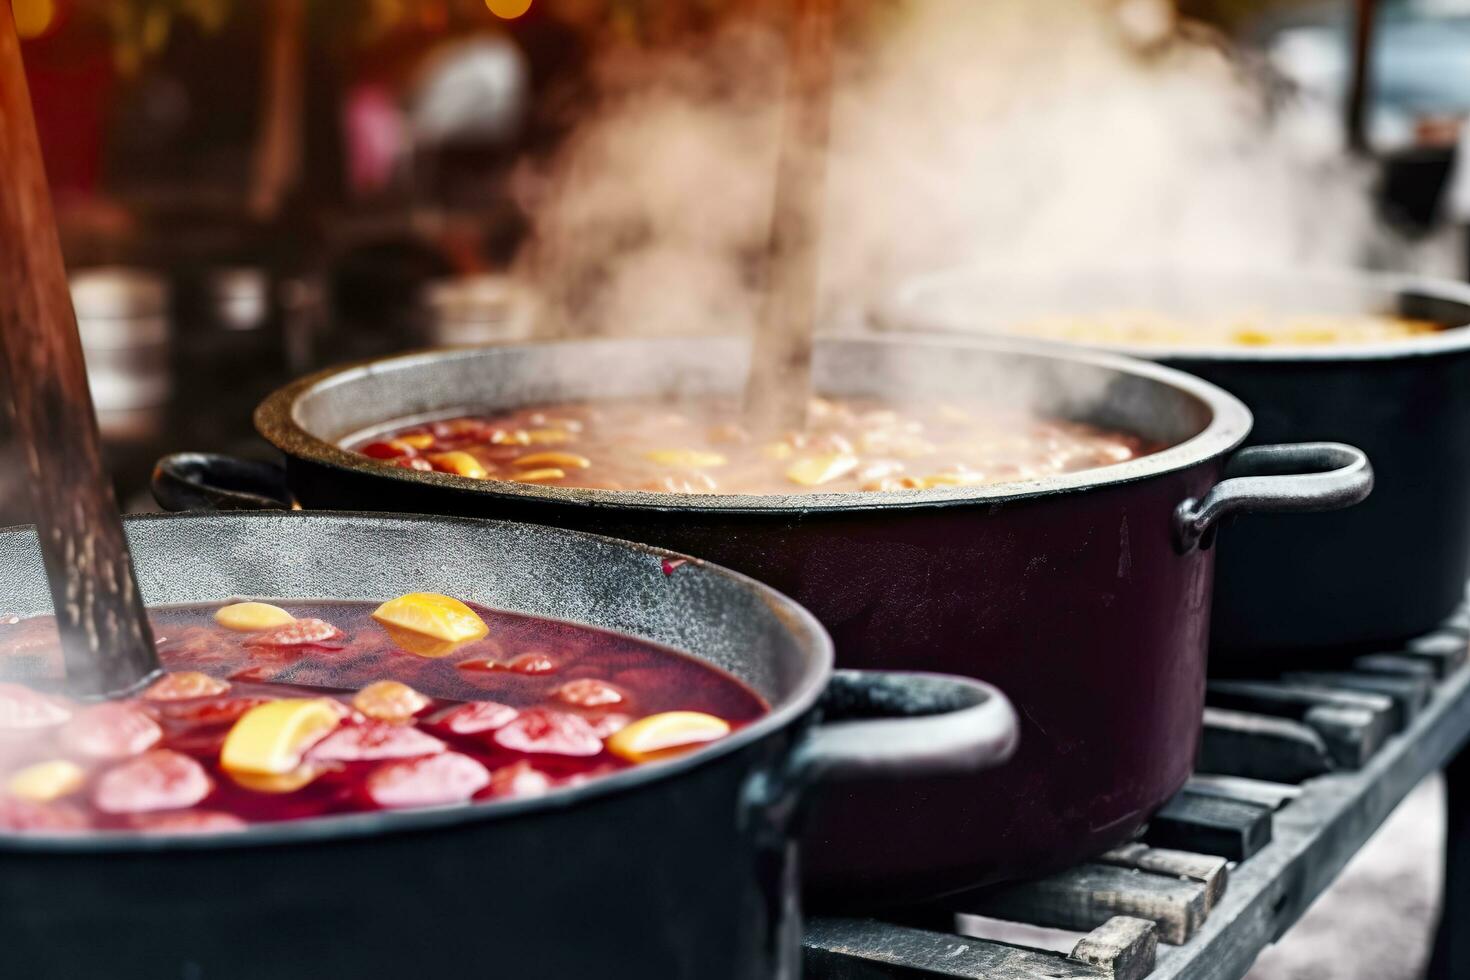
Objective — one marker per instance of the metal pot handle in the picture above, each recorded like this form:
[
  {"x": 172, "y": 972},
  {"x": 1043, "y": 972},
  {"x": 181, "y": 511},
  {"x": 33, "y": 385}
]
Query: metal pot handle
[
  {"x": 210, "y": 481},
  {"x": 888, "y": 724},
  {"x": 1307, "y": 476}
]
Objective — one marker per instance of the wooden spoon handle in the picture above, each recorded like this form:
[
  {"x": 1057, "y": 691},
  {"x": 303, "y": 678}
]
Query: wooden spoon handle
[{"x": 105, "y": 637}]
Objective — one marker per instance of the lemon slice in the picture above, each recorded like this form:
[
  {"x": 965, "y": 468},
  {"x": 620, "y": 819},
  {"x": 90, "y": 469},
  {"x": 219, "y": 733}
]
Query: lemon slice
[
  {"x": 269, "y": 739},
  {"x": 665, "y": 734},
  {"x": 250, "y": 617},
  {"x": 46, "y": 781},
  {"x": 425, "y": 622},
  {"x": 285, "y": 782},
  {"x": 692, "y": 459},
  {"x": 814, "y": 471},
  {"x": 461, "y": 463}
]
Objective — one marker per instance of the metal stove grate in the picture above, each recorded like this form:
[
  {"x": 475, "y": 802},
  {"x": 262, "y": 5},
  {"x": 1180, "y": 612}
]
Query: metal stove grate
[{"x": 1295, "y": 774}]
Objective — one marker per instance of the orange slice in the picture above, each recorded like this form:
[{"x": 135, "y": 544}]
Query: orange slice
[
  {"x": 666, "y": 734},
  {"x": 270, "y": 738}
]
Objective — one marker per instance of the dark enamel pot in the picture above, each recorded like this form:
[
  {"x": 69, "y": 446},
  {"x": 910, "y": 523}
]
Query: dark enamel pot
[
  {"x": 1086, "y": 597},
  {"x": 1388, "y": 570},
  {"x": 681, "y": 869}
]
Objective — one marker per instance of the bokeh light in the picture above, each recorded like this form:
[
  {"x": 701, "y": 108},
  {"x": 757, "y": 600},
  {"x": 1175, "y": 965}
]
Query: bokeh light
[{"x": 508, "y": 9}]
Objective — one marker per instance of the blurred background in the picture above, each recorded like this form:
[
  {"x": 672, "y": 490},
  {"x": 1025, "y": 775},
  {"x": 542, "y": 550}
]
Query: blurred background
[{"x": 249, "y": 189}]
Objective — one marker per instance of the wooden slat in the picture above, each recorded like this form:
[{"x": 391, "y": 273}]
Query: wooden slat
[
  {"x": 1314, "y": 838},
  {"x": 866, "y": 949},
  {"x": 1124, "y": 946},
  {"x": 1208, "y": 870},
  {"x": 1231, "y": 829},
  {"x": 1353, "y": 724},
  {"x": 1259, "y": 791},
  {"x": 1397, "y": 665},
  {"x": 1274, "y": 749},
  {"x": 1447, "y": 648},
  {"x": 1088, "y": 895},
  {"x": 1409, "y": 694}
]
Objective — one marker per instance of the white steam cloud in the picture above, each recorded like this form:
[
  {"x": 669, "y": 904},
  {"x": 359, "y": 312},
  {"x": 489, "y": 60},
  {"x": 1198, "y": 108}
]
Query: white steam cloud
[{"x": 1004, "y": 133}]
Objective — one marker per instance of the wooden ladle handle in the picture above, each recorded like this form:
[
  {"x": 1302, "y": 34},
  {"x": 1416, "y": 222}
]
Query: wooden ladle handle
[{"x": 105, "y": 637}]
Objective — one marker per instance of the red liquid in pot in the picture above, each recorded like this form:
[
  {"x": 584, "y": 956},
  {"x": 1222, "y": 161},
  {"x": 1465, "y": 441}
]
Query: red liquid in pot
[
  {"x": 533, "y": 705},
  {"x": 701, "y": 447}
]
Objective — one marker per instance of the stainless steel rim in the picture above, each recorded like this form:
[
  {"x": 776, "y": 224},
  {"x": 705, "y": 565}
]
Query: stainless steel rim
[
  {"x": 803, "y": 697},
  {"x": 1230, "y": 422}
]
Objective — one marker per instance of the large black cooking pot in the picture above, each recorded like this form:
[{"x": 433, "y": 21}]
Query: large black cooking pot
[
  {"x": 680, "y": 869},
  {"x": 1379, "y": 573},
  {"x": 1085, "y": 597}
]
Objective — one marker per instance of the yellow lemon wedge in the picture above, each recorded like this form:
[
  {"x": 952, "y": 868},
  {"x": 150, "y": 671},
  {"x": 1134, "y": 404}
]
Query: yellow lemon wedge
[
  {"x": 665, "y": 734},
  {"x": 46, "y": 781},
  {"x": 427, "y": 624},
  {"x": 460, "y": 463},
  {"x": 814, "y": 471},
  {"x": 251, "y": 617},
  {"x": 692, "y": 459},
  {"x": 269, "y": 739}
]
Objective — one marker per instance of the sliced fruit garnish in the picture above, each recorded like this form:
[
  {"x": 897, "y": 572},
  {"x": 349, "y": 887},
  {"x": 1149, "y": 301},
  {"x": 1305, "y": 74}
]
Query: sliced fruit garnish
[
  {"x": 459, "y": 463},
  {"x": 22, "y": 709},
  {"x": 115, "y": 730},
  {"x": 159, "y": 780},
  {"x": 271, "y": 738},
  {"x": 519, "y": 779},
  {"x": 46, "y": 781},
  {"x": 374, "y": 740},
  {"x": 553, "y": 459},
  {"x": 816, "y": 470},
  {"x": 417, "y": 440},
  {"x": 45, "y": 818},
  {"x": 588, "y": 692},
  {"x": 532, "y": 663},
  {"x": 185, "y": 685},
  {"x": 543, "y": 475},
  {"x": 438, "y": 779},
  {"x": 439, "y": 617},
  {"x": 389, "y": 701},
  {"x": 686, "y": 459},
  {"x": 474, "y": 717},
  {"x": 301, "y": 633},
  {"x": 665, "y": 734},
  {"x": 252, "y": 617},
  {"x": 545, "y": 732}
]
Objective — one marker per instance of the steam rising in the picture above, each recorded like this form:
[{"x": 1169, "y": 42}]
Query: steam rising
[{"x": 1007, "y": 133}]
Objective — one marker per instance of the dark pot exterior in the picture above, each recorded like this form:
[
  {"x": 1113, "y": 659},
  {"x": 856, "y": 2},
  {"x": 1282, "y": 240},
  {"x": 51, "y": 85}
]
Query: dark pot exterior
[
  {"x": 1078, "y": 606},
  {"x": 1391, "y": 568},
  {"x": 1363, "y": 578},
  {"x": 662, "y": 882}
]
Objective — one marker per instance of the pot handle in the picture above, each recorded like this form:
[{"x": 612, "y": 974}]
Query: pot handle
[
  {"x": 210, "y": 481},
  {"x": 887, "y": 724},
  {"x": 1306, "y": 476}
]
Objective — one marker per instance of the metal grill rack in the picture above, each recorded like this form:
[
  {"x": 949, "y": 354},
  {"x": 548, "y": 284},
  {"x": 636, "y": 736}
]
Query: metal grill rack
[{"x": 1295, "y": 774}]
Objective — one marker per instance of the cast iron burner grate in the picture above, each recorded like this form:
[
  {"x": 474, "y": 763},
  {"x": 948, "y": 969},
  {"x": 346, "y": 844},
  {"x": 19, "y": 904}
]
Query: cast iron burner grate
[{"x": 1295, "y": 774}]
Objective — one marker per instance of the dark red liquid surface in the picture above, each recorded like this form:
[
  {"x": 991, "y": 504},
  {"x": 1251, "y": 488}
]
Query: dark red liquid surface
[{"x": 562, "y": 689}]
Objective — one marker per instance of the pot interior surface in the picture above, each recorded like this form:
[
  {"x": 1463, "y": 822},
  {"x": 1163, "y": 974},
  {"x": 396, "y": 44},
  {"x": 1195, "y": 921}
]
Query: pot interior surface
[
  {"x": 713, "y": 614},
  {"x": 312, "y": 417},
  {"x": 982, "y": 301}
]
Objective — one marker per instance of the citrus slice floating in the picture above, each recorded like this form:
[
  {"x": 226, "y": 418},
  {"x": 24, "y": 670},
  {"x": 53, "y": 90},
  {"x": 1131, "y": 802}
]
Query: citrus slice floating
[
  {"x": 429, "y": 624},
  {"x": 270, "y": 739},
  {"x": 250, "y": 617},
  {"x": 666, "y": 734},
  {"x": 46, "y": 781}
]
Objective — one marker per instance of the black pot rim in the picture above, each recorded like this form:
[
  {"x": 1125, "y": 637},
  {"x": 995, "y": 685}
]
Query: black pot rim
[
  {"x": 315, "y": 830},
  {"x": 1230, "y": 422},
  {"x": 901, "y": 314}
]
